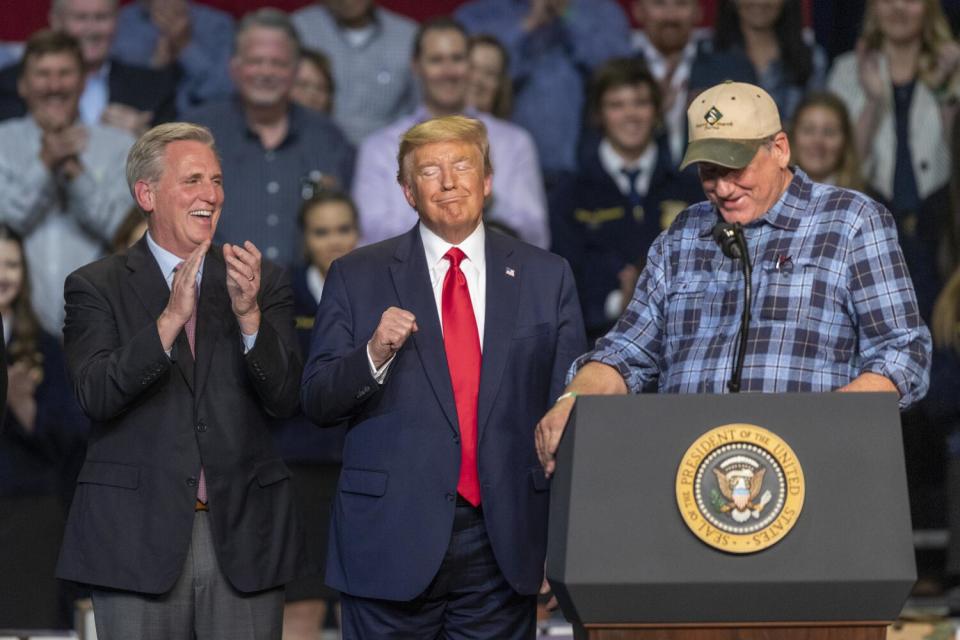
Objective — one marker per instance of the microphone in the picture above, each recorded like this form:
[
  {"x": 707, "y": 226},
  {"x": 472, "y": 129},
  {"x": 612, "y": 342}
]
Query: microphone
[
  {"x": 734, "y": 246},
  {"x": 725, "y": 235}
]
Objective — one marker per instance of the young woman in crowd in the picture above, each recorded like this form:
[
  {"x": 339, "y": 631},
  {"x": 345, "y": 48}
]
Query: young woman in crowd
[
  {"x": 313, "y": 84},
  {"x": 490, "y": 89},
  {"x": 821, "y": 139},
  {"x": 41, "y": 448},
  {"x": 770, "y": 34},
  {"x": 328, "y": 221}
]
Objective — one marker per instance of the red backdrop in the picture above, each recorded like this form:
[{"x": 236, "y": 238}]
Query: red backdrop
[{"x": 30, "y": 15}]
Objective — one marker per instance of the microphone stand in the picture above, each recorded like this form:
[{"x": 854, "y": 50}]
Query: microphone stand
[{"x": 734, "y": 384}]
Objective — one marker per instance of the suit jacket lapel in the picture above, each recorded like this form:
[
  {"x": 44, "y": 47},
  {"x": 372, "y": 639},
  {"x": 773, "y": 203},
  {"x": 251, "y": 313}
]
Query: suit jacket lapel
[
  {"x": 411, "y": 279},
  {"x": 151, "y": 288},
  {"x": 214, "y": 315},
  {"x": 502, "y": 302}
]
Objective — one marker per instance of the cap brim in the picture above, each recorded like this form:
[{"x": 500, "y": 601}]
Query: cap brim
[{"x": 733, "y": 154}]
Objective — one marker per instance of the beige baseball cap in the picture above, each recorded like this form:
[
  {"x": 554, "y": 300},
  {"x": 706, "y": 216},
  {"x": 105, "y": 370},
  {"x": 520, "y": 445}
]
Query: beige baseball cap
[{"x": 727, "y": 123}]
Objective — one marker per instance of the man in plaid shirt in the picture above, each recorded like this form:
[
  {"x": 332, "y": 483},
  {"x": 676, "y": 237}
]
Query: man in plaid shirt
[{"x": 833, "y": 306}]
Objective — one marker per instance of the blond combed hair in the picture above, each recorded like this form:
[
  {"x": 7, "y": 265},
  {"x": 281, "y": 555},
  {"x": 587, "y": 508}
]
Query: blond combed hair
[
  {"x": 936, "y": 33},
  {"x": 144, "y": 162},
  {"x": 445, "y": 129}
]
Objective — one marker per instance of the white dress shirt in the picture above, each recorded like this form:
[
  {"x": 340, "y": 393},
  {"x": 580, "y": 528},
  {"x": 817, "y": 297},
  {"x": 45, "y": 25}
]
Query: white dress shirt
[{"x": 474, "y": 267}]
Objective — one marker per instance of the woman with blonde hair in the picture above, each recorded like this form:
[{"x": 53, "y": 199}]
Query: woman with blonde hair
[
  {"x": 822, "y": 141},
  {"x": 900, "y": 86}
]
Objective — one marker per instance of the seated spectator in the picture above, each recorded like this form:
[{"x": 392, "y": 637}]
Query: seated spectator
[
  {"x": 441, "y": 64},
  {"x": 313, "y": 87},
  {"x": 41, "y": 447},
  {"x": 328, "y": 221},
  {"x": 682, "y": 64},
  {"x": 269, "y": 145},
  {"x": 369, "y": 47},
  {"x": 899, "y": 86},
  {"x": 490, "y": 89},
  {"x": 770, "y": 34},
  {"x": 606, "y": 216},
  {"x": 61, "y": 181},
  {"x": 821, "y": 138},
  {"x": 115, "y": 93},
  {"x": 551, "y": 44},
  {"x": 195, "y": 38}
]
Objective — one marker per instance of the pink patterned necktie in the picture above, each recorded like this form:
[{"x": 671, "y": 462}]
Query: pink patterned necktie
[{"x": 190, "y": 328}]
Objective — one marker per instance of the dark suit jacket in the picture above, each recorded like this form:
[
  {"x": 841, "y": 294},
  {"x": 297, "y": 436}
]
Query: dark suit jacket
[
  {"x": 155, "y": 419},
  {"x": 393, "y": 512},
  {"x": 142, "y": 88}
]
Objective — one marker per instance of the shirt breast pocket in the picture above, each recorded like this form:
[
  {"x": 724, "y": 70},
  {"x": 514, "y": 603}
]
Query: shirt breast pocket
[
  {"x": 692, "y": 305},
  {"x": 786, "y": 291}
]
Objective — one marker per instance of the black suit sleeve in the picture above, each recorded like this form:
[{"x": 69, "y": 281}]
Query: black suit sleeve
[
  {"x": 274, "y": 363},
  {"x": 107, "y": 375}
]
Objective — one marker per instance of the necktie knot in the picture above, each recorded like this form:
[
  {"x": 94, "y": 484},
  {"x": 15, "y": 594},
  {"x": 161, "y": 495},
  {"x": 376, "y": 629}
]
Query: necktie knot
[
  {"x": 455, "y": 256},
  {"x": 631, "y": 174}
]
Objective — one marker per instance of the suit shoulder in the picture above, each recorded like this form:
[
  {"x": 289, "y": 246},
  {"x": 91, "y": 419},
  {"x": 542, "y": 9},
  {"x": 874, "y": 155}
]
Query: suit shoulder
[{"x": 102, "y": 269}]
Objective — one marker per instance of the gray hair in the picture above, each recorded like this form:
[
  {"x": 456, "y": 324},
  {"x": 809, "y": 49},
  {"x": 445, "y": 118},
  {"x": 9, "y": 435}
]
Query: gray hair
[
  {"x": 268, "y": 18},
  {"x": 57, "y": 6},
  {"x": 145, "y": 160}
]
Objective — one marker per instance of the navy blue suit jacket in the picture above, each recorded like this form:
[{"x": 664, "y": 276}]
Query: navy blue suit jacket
[{"x": 393, "y": 512}]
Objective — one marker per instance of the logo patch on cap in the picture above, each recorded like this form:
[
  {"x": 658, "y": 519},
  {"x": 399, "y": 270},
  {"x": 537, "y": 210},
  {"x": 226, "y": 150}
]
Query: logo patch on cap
[{"x": 713, "y": 116}]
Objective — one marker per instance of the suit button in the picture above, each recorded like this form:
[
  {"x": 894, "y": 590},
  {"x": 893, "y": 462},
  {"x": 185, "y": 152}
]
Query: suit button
[
  {"x": 201, "y": 426},
  {"x": 456, "y": 438},
  {"x": 191, "y": 482}
]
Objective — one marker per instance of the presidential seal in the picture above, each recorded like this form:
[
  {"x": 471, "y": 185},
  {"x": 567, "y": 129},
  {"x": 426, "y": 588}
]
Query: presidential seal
[{"x": 740, "y": 488}]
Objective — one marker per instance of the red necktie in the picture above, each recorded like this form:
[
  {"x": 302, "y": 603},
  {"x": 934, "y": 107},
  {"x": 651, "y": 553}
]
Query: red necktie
[
  {"x": 461, "y": 340},
  {"x": 190, "y": 328}
]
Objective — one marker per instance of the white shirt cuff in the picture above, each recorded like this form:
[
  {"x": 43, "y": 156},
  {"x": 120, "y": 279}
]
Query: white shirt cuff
[
  {"x": 249, "y": 341},
  {"x": 379, "y": 374}
]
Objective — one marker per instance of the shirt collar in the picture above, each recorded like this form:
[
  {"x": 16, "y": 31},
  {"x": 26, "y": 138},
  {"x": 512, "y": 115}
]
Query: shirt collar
[
  {"x": 787, "y": 212},
  {"x": 436, "y": 247},
  {"x": 613, "y": 163},
  {"x": 167, "y": 261}
]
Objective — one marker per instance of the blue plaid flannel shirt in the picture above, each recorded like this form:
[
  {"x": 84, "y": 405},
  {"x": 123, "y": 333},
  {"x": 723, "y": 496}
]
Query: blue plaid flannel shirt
[{"x": 831, "y": 299}]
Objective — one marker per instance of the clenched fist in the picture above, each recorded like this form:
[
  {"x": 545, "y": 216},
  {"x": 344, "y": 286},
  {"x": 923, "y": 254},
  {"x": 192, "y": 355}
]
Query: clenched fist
[{"x": 395, "y": 327}]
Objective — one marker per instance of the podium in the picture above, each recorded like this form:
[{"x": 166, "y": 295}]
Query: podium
[{"x": 626, "y": 565}]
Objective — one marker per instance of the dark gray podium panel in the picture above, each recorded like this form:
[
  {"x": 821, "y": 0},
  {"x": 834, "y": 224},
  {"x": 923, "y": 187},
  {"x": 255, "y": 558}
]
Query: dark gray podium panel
[{"x": 619, "y": 551}]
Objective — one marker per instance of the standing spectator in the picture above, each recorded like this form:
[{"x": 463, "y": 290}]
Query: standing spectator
[
  {"x": 369, "y": 47},
  {"x": 822, "y": 140},
  {"x": 899, "y": 86},
  {"x": 491, "y": 89},
  {"x": 115, "y": 93},
  {"x": 552, "y": 44},
  {"x": 770, "y": 34},
  {"x": 328, "y": 221},
  {"x": 628, "y": 190},
  {"x": 271, "y": 146},
  {"x": 197, "y": 39},
  {"x": 443, "y": 68},
  {"x": 41, "y": 443},
  {"x": 58, "y": 176},
  {"x": 683, "y": 65},
  {"x": 314, "y": 87}
]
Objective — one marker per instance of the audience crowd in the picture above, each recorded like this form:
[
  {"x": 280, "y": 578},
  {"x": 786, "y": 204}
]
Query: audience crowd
[{"x": 587, "y": 124}]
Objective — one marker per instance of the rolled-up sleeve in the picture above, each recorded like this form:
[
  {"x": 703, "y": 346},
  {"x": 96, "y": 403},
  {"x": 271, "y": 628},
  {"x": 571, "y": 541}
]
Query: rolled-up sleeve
[{"x": 894, "y": 342}]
